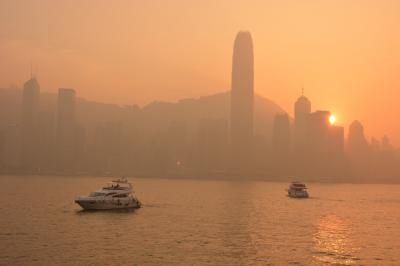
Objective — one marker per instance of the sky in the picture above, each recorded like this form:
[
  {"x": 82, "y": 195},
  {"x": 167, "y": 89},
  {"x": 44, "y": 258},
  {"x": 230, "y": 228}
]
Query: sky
[{"x": 346, "y": 54}]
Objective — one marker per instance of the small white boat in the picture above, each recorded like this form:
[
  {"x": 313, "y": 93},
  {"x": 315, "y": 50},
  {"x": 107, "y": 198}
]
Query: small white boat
[
  {"x": 117, "y": 194},
  {"x": 297, "y": 190}
]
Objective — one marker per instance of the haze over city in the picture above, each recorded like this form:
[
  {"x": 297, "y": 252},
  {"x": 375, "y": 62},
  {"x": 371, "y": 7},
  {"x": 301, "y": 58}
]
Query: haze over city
[
  {"x": 344, "y": 53},
  {"x": 199, "y": 132}
]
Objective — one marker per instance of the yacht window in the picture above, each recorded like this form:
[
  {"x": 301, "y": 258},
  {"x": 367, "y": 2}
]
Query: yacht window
[
  {"x": 96, "y": 194},
  {"x": 112, "y": 193},
  {"x": 120, "y": 196}
]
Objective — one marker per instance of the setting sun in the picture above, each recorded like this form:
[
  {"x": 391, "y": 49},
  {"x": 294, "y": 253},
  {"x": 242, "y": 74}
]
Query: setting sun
[{"x": 332, "y": 119}]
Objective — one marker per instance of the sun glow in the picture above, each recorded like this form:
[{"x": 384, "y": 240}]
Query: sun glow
[{"x": 332, "y": 119}]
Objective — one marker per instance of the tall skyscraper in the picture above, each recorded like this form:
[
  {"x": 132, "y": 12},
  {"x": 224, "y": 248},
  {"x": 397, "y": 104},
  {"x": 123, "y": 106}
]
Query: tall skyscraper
[
  {"x": 241, "y": 120},
  {"x": 356, "y": 141},
  {"x": 318, "y": 130},
  {"x": 29, "y": 122},
  {"x": 358, "y": 152},
  {"x": 302, "y": 109},
  {"x": 66, "y": 130}
]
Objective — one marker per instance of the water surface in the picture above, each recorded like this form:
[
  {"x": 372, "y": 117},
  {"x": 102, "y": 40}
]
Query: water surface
[{"x": 192, "y": 222}]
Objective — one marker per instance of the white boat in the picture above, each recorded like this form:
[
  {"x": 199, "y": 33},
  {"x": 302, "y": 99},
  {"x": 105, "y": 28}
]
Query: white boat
[
  {"x": 117, "y": 194},
  {"x": 297, "y": 190}
]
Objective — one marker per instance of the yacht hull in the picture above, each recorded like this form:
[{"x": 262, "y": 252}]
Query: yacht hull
[
  {"x": 298, "y": 194},
  {"x": 95, "y": 204}
]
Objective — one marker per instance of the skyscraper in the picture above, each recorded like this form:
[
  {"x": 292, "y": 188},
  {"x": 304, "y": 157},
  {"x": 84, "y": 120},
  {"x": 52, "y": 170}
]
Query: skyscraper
[
  {"x": 356, "y": 141},
  {"x": 318, "y": 131},
  {"x": 46, "y": 141},
  {"x": 66, "y": 130},
  {"x": 241, "y": 120},
  {"x": 212, "y": 145},
  {"x": 281, "y": 135},
  {"x": 302, "y": 109},
  {"x": 281, "y": 144},
  {"x": 358, "y": 152},
  {"x": 29, "y": 122}
]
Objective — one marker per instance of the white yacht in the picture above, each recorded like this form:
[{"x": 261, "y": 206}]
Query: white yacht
[
  {"x": 117, "y": 194},
  {"x": 297, "y": 190}
]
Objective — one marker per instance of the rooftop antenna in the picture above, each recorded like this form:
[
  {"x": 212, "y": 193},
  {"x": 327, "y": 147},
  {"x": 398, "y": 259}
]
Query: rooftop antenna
[
  {"x": 302, "y": 91},
  {"x": 31, "y": 71}
]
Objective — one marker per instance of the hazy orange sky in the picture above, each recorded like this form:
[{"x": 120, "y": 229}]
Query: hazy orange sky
[{"x": 346, "y": 53}]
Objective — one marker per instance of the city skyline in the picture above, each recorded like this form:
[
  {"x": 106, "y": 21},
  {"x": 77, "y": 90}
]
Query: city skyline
[
  {"x": 229, "y": 132},
  {"x": 346, "y": 67},
  {"x": 311, "y": 145},
  {"x": 291, "y": 112}
]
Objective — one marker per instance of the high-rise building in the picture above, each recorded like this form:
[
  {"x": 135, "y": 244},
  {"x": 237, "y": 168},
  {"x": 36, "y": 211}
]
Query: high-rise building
[
  {"x": 46, "y": 141},
  {"x": 316, "y": 152},
  {"x": 29, "y": 123},
  {"x": 281, "y": 136},
  {"x": 12, "y": 147},
  {"x": 318, "y": 131},
  {"x": 336, "y": 140},
  {"x": 302, "y": 109},
  {"x": 105, "y": 147},
  {"x": 357, "y": 144},
  {"x": 281, "y": 145},
  {"x": 66, "y": 130},
  {"x": 325, "y": 146},
  {"x": 241, "y": 120},
  {"x": 358, "y": 151},
  {"x": 212, "y": 145}
]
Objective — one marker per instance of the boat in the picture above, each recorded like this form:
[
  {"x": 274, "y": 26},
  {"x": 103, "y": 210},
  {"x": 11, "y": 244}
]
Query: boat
[
  {"x": 117, "y": 194},
  {"x": 297, "y": 190}
]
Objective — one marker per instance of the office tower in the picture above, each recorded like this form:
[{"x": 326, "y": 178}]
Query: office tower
[
  {"x": 46, "y": 140},
  {"x": 212, "y": 145},
  {"x": 241, "y": 120},
  {"x": 317, "y": 143},
  {"x": 12, "y": 148},
  {"x": 29, "y": 123},
  {"x": 66, "y": 130},
  {"x": 325, "y": 146},
  {"x": 105, "y": 147},
  {"x": 302, "y": 110},
  {"x": 336, "y": 140},
  {"x": 357, "y": 144},
  {"x": 318, "y": 129},
  {"x": 358, "y": 151},
  {"x": 318, "y": 134},
  {"x": 281, "y": 143},
  {"x": 281, "y": 134}
]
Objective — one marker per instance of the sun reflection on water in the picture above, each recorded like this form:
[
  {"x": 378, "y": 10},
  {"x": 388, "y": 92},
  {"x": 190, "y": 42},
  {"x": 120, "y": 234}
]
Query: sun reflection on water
[{"x": 332, "y": 242}]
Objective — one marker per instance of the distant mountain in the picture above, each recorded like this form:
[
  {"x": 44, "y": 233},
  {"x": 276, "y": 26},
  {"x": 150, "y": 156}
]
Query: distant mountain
[
  {"x": 155, "y": 116},
  {"x": 216, "y": 106}
]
